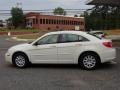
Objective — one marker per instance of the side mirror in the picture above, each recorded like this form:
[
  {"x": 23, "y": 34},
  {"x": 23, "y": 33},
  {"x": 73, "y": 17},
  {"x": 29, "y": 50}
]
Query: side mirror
[
  {"x": 35, "y": 44},
  {"x": 29, "y": 42}
]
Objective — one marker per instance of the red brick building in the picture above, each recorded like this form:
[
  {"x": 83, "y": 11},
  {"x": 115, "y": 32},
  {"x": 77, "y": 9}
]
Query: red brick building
[{"x": 51, "y": 22}]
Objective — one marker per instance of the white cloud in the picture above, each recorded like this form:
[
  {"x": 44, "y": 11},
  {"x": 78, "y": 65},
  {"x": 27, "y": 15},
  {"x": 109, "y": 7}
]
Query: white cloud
[
  {"x": 43, "y": 4},
  {"x": 69, "y": 2}
]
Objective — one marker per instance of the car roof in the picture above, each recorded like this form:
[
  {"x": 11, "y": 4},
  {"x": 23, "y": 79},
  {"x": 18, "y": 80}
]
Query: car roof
[
  {"x": 82, "y": 33},
  {"x": 65, "y": 32}
]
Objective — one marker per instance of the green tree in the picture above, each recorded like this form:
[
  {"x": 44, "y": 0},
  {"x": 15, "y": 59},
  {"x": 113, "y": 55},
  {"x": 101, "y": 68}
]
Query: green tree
[
  {"x": 102, "y": 18},
  {"x": 9, "y": 23},
  {"x": 59, "y": 11},
  {"x": 17, "y": 17},
  {"x": 75, "y": 15}
]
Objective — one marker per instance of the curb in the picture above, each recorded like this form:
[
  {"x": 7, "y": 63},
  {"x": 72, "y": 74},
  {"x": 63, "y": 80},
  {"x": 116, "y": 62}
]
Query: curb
[
  {"x": 17, "y": 39},
  {"x": 114, "y": 37}
]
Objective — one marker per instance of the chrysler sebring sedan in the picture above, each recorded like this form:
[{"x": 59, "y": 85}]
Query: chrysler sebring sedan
[{"x": 63, "y": 47}]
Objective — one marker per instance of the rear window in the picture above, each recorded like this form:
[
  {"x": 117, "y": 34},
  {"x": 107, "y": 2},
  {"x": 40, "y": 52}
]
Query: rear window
[
  {"x": 98, "y": 33},
  {"x": 94, "y": 35}
]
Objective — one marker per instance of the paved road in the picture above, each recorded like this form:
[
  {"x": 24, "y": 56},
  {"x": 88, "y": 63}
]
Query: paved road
[{"x": 57, "y": 77}]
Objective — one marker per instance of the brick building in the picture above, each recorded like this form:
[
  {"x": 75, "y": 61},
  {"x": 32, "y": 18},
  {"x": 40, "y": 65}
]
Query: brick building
[{"x": 51, "y": 22}]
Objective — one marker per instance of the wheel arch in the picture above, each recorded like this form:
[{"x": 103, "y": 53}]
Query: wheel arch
[
  {"x": 18, "y": 52},
  {"x": 85, "y": 52}
]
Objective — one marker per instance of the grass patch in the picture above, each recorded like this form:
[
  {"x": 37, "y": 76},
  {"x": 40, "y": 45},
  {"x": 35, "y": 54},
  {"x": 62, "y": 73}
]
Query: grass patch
[
  {"x": 20, "y": 30},
  {"x": 32, "y": 36},
  {"x": 41, "y": 32},
  {"x": 112, "y": 32}
]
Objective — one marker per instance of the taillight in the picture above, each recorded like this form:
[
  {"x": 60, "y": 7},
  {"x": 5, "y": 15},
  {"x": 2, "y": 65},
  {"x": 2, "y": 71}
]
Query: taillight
[{"x": 107, "y": 44}]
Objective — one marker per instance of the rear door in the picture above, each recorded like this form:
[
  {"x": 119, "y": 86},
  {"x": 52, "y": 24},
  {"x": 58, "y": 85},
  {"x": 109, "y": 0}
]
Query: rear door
[
  {"x": 46, "y": 50},
  {"x": 67, "y": 47}
]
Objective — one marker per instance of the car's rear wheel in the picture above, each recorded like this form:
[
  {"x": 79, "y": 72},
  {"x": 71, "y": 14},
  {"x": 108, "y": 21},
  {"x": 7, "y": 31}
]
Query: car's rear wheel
[
  {"x": 20, "y": 60},
  {"x": 89, "y": 61}
]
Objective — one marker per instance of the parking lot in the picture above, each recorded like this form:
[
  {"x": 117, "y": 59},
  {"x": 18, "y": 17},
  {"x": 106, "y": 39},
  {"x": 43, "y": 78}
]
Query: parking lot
[{"x": 57, "y": 77}]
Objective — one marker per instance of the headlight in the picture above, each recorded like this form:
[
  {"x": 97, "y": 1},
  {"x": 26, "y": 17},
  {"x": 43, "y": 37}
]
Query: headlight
[{"x": 8, "y": 53}]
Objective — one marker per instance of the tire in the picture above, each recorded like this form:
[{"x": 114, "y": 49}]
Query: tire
[
  {"x": 20, "y": 60},
  {"x": 89, "y": 61}
]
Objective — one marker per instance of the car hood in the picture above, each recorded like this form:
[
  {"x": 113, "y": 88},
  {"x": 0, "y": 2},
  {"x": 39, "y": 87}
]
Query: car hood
[{"x": 20, "y": 46}]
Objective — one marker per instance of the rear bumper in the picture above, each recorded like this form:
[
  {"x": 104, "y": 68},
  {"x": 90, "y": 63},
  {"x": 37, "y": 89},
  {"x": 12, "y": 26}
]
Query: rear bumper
[{"x": 108, "y": 55}]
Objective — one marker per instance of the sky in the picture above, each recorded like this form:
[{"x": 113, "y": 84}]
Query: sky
[{"x": 43, "y": 4}]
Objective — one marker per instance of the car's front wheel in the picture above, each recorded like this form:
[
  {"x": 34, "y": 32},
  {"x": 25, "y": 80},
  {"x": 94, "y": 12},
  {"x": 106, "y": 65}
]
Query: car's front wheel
[
  {"x": 20, "y": 60},
  {"x": 89, "y": 61}
]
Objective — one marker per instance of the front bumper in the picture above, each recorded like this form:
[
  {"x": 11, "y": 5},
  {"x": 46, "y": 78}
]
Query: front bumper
[{"x": 8, "y": 57}]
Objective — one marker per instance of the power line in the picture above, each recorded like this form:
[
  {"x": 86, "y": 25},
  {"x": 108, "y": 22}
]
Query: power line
[
  {"x": 6, "y": 12},
  {"x": 44, "y": 11},
  {"x": 51, "y": 10}
]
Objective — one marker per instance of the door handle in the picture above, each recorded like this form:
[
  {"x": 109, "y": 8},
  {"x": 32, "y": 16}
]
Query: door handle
[
  {"x": 78, "y": 45},
  {"x": 53, "y": 46}
]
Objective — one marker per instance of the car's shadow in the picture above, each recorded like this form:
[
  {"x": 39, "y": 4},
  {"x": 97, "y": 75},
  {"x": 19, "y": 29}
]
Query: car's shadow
[
  {"x": 55, "y": 66},
  {"x": 104, "y": 66},
  {"x": 107, "y": 66}
]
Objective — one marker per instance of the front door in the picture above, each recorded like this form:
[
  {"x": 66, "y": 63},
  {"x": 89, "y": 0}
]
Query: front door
[{"x": 45, "y": 51}]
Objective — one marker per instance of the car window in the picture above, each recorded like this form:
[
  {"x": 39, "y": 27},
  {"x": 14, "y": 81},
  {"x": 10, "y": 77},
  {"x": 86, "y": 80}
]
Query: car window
[
  {"x": 71, "y": 38},
  {"x": 94, "y": 35},
  {"x": 50, "y": 39}
]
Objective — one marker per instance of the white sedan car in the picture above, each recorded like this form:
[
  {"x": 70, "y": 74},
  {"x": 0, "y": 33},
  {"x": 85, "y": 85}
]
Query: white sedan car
[{"x": 63, "y": 47}]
